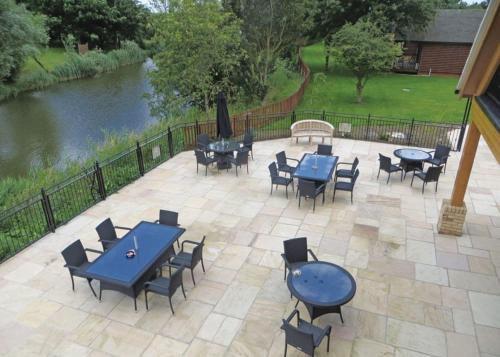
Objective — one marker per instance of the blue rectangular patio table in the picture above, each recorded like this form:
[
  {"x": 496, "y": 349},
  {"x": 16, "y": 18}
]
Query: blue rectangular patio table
[
  {"x": 324, "y": 171},
  {"x": 116, "y": 272}
]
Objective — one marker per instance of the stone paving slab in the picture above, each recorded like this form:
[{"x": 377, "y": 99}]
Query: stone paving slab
[{"x": 419, "y": 293}]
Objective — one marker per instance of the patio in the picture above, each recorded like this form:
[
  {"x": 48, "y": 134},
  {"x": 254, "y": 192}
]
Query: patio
[{"x": 419, "y": 293}]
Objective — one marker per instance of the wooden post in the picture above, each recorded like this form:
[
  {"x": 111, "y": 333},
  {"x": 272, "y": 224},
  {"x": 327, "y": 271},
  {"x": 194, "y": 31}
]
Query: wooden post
[{"x": 465, "y": 166}]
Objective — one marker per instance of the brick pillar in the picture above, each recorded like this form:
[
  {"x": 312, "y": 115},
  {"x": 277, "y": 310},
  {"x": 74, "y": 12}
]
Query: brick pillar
[{"x": 451, "y": 218}]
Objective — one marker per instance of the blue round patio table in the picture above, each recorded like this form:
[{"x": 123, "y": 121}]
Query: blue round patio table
[
  {"x": 322, "y": 287},
  {"x": 412, "y": 154}
]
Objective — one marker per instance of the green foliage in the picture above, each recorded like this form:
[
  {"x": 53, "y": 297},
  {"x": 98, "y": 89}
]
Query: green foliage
[
  {"x": 282, "y": 82},
  {"x": 101, "y": 23},
  {"x": 21, "y": 33},
  {"x": 365, "y": 50},
  {"x": 199, "y": 50},
  {"x": 386, "y": 94}
]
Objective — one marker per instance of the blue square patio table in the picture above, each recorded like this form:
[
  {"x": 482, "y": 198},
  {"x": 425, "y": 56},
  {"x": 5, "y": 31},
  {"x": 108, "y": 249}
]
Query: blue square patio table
[
  {"x": 117, "y": 272},
  {"x": 322, "y": 173}
]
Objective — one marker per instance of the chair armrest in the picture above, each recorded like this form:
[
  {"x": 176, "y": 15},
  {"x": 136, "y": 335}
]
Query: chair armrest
[
  {"x": 148, "y": 283},
  {"x": 320, "y": 187},
  {"x": 190, "y": 242},
  {"x": 344, "y": 163},
  {"x": 106, "y": 241},
  {"x": 429, "y": 152},
  {"x": 294, "y": 312},
  {"x": 71, "y": 266},
  {"x": 327, "y": 330},
  {"x": 312, "y": 254},
  {"x": 93, "y": 250},
  {"x": 124, "y": 228},
  {"x": 289, "y": 158}
]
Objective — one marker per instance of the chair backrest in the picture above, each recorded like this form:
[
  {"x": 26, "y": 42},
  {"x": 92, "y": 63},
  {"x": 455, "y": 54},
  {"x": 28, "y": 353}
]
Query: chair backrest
[
  {"x": 242, "y": 156},
  {"x": 295, "y": 250},
  {"x": 442, "y": 152},
  {"x": 202, "y": 141},
  {"x": 106, "y": 231},
  {"x": 168, "y": 218},
  {"x": 197, "y": 252},
  {"x": 307, "y": 188},
  {"x": 281, "y": 158},
  {"x": 200, "y": 156},
  {"x": 354, "y": 165},
  {"x": 175, "y": 280},
  {"x": 354, "y": 177},
  {"x": 385, "y": 162},
  {"x": 324, "y": 149},
  {"x": 433, "y": 173},
  {"x": 74, "y": 254},
  {"x": 248, "y": 139},
  {"x": 273, "y": 170},
  {"x": 298, "y": 338}
]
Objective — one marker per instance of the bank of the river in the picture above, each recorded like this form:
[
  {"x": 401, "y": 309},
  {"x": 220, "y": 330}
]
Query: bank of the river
[{"x": 60, "y": 66}]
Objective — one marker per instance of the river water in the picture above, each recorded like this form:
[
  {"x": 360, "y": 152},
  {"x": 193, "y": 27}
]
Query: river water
[{"x": 60, "y": 122}]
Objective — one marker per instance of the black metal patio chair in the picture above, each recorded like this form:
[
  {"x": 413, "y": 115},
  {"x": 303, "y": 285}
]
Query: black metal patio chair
[
  {"x": 203, "y": 159},
  {"x": 107, "y": 233},
  {"x": 324, "y": 149},
  {"x": 387, "y": 166},
  {"x": 169, "y": 218},
  {"x": 310, "y": 189},
  {"x": 190, "y": 260},
  {"x": 304, "y": 336},
  {"x": 248, "y": 141},
  {"x": 75, "y": 256},
  {"x": 166, "y": 286},
  {"x": 240, "y": 159},
  {"x": 431, "y": 175},
  {"x": 346, "y": 173},
  {"x": 202, "y": 142},
  {"x": 345, "y": 185},
  {"x": 278, "y": 180},
  {"x": 410, "y": 166},
  {"x": 283, "y": 165},
  {"x": 295, "y": 253},
  {"x": 440, "y": 157}
]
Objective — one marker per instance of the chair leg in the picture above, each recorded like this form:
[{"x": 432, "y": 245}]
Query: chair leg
[
  {"x": 202, "y": 265},
  {"x": 351, "y": 195},
  {"x": 72, "y": 282},
  {"x": 178, "y": 244},
  {"x": 328, "y": 343},
  {"x": 423, "y": 187},
  {"x": 299, "y": 200},
  {"x": 170, "y": 302},
  {"x": 206, "y": 170},
  {"x": 271, "y": 188},
  {"x": 135, "y": 304},
  {"x": 286, "y": 191},
  {"x": 236, "y": 169},
  {"x": 314, "y": 204},
  {"x": 297, "y": 303},
  {"x": 436, "y": 187},
  {"x": 378, "y": 173},
  {"x": 323, "y": 197},
  {"x": 100, "y": 292},
  {"x": 146, "y": 299},
  {"x": 285, "y": 274},
  {"x": 192, "y": 276},
  {"x": 183, "y": 293},
  {"x": 196, "y": 168},
  {"x": 334, "y": 191},
  {"x": 247, "y": 166},
  {"x": 401, "y": 179},
  {"x": 91, "y": 288},
  {"x": 411, "y": 184},
  {"x": 388, "y": 178},
  {"x": 341, "y": 317},
  {"x": 285, "y": 348}
]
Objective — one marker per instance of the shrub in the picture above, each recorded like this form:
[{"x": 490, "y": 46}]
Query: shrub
[{"x": 36, "y": 80}]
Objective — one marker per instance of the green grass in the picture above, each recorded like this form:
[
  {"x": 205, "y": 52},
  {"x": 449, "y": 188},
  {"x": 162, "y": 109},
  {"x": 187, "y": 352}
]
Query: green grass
[
  {"x": 49, "y": 57},
  {"x": 388, "y": 94}
]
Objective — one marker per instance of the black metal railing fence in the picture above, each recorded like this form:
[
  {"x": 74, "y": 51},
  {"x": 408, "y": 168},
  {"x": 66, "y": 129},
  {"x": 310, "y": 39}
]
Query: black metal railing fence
[{"x": 30, "y": 220}]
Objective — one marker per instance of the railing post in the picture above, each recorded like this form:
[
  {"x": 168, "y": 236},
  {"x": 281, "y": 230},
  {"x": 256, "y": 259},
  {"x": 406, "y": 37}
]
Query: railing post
[
  {"x": 367, "y": 135},
  {"x": 247, "y": 123},
  {"x": 170, "y": 143},
  {"x": 140, "y": 160},
  {"x": 47, "y": 210},
  {"x": 100, "y": 181},
  {"x": 197, "y": 128},
  {"x": 323, "y": 116},
  {"x": 411, "y": 131},
  {"x": 292, "y": 118}
]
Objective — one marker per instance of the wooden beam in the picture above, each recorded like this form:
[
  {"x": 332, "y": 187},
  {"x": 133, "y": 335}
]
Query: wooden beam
[
  {"x": 489, "y": 132},
  {"x": 465, "y": 167}
]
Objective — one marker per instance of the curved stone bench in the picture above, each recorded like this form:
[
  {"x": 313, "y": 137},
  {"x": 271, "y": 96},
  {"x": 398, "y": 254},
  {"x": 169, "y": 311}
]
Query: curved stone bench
[{"x": 312, "y": 128}]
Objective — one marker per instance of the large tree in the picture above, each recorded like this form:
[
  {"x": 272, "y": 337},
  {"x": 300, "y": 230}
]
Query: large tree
[
  {"x": 364, "y": 49},
  {"x": 198, "y": 51},
  {"x": 396, "y": 16},
  {"x": 102, "y": 23},
  {"x": 21, "y": 33},
  {"x": 271, "y": 29}
]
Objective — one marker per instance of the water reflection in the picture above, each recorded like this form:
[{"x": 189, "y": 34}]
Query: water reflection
[{"x": 60, "y": 122}]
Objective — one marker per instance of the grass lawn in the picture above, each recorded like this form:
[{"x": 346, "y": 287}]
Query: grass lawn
[
  {"x": 388, "y": 94},
  {"x": 49, "y": 57}
]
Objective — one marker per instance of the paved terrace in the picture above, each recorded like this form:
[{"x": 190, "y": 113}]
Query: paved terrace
[{"x": 419, "y": 293}]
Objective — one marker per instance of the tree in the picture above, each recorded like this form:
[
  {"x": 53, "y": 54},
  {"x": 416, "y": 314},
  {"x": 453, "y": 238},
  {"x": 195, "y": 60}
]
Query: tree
[
  {"x": 21, "y": 34},
  {"x": 199, "y": 49},
  {"x": 102, "y": 23},
  {"x": 397, "y": 16},
  {"x": 364, "y": 49},
  {"x": 271, "y": 29}
]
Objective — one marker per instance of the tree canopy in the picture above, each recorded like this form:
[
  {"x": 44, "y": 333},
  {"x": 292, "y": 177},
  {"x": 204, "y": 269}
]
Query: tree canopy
[
  {"x": 21, "y": 34},
  {"x": 102, "y": 23},
  {"x": 199, "y": 49},
  {"x": 364, "y": 49}
]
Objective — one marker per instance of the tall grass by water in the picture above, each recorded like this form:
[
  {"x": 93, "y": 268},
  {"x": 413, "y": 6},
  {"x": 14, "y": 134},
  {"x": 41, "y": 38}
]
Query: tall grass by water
[{"x": 73, "y": 66}]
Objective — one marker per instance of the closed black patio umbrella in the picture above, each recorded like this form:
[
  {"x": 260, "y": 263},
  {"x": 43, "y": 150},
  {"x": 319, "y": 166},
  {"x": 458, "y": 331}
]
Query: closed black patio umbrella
[{"x": 224, "y": 129}]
